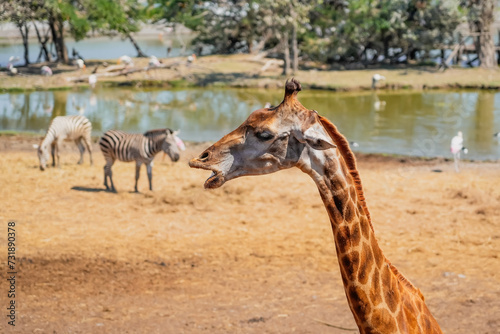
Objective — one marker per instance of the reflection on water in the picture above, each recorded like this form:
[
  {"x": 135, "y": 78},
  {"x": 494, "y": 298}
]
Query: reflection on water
[
  {"x": 410, "y": 123},
  {"x": 100, "y": 48}
]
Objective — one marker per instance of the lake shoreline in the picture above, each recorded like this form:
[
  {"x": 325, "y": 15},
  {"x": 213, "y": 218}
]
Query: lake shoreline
[
  {"x": 20, "y": 140},
  {"x": 246, "y": 71}
]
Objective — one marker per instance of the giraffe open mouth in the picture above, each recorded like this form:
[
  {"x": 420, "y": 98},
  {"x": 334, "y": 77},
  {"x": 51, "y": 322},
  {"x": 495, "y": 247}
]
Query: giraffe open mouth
[{"x": 215, "y": 180}]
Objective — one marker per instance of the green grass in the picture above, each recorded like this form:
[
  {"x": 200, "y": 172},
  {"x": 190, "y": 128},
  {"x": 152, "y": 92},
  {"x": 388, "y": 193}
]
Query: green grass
[{"x": 10, "y": 133}]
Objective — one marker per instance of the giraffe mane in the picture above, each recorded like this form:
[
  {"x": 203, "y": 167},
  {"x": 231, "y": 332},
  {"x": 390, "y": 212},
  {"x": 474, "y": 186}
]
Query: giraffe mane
[{"x": 350, "y": 160}]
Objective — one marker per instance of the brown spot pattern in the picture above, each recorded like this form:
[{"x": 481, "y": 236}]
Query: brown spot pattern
[
  {"x": 391, "y": 292},
  {"x": 349, "y": 212},
  {"x": 409, "y": 311},
  {"x": 375, "y": 293},
  {"x": 359, "y": 301},
  {"x": 365, "y": 227},
  {"x": 365, "y": 264},
  {"x": 352, "y": 192},
  {"x": 355, "y": 235},
  {"x": 383, "y": 321},
  {"x": 403, "y": 328},
  {"x": 344, "y": 238},
  {"x": 377, "y": 253},
  {"x": 350, "y": 263}
]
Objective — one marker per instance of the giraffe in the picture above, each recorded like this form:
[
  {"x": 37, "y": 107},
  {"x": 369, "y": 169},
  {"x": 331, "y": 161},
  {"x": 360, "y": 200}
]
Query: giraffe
[{"x": 381, "y": 299}]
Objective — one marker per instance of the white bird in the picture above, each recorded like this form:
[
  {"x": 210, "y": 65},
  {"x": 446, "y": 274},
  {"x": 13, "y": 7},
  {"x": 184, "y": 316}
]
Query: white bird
[
  {"x": 379, "y": 105},
  {"x": 92, "y": 80},
  {"x": 80, "y": 63},
  {"x": 267, "y": 105},
  {"x": 13, "y": 59},
  {"x": 353, "y": 144},
  {"x": 457, "y": 146},
  {"x": 191, "y": 59},
  {"x": 376, "y": 78},
  {"x": 45, "y": 70},
  {"x": 12, "y": 69},
  {"x": 154, "y": 62},
  {"x": 126, "y": 60}
]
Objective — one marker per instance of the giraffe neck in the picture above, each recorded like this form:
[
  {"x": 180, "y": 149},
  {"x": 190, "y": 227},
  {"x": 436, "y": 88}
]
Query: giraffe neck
[
  {"x": 361, "y": 260},
  {"x": 381, "y": 299}
]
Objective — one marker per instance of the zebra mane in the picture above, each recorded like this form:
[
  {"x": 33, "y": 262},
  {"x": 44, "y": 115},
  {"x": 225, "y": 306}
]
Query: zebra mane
[{"x": 156, "y": 132}]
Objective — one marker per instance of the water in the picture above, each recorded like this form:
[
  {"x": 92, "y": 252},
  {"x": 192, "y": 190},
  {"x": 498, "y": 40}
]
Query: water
[
  {"x": 98, "y": 48},
  {"x": 412, "y": 123}
]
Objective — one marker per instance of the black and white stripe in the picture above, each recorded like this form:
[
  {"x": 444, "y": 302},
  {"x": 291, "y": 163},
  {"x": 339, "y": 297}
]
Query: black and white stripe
[
  {"x": 141, "y": 148},
  {"x": 77, "y": 128}
]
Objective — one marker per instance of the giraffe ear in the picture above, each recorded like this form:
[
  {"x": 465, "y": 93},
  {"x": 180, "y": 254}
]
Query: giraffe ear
[
  {"x": 318, "y": 140},
  {"x": 315, "y": 137}
]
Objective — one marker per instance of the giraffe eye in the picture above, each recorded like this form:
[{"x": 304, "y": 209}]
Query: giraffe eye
[{"x": 263, "y": 136}]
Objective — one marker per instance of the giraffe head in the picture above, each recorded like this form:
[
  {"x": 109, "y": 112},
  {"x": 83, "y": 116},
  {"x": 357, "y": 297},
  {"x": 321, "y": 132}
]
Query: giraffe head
[{"x": 269, "y": 140}]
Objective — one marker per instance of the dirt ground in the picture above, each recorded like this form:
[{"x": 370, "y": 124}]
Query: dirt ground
[{"x": 255, "y": 256}]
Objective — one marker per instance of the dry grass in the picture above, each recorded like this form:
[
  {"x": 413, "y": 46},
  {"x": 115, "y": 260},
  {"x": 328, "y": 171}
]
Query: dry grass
[{"x": 255, "y": 256}]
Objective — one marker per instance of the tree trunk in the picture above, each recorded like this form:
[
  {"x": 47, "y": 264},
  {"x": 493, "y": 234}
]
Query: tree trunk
[
  {"x": 56, "y": 27},
  {"x": 385, "y": 41},
  {"x": 140, "y": 54},
  {"x": 286, "y": 52},
  {"x": 295, "y": 50},
  {"x": 484, "y": 44},
  {"x": 486, "y": 52},
  {"x": 23, "y": 28},
  {"x": 43, "y": 45}
]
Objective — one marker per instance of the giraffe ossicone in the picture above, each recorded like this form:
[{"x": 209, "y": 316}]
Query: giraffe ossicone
[{"x": 381, "y": 299}]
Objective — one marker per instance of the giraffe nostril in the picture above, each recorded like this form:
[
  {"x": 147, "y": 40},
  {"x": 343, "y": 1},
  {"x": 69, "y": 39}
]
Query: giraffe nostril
[{"x": 204, "y": 156}]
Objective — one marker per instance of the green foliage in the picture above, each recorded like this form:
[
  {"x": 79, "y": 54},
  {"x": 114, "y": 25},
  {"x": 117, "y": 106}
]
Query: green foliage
[{"x": 111, "y": 17}]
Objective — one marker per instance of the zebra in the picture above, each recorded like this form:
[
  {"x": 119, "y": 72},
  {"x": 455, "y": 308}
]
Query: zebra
[
  {"x": 77, "y": 128},
  {"x": 119, "y": 145}
]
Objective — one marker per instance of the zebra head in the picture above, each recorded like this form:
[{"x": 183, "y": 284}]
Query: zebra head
[
  {"x": 170, "y": 147},
  {"x": 43, "y": 156}
]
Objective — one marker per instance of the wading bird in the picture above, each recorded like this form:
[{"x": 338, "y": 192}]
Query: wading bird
[
  {"x": 375, "y": 79},
  {"x": 46, "y": 71},
  {"x": 456, "y": 148}
]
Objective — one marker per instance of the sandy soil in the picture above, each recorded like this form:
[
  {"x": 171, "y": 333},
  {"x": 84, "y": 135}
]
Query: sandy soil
[{"x": 255, "y": 256}]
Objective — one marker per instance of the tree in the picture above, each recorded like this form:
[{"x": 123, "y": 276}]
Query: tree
[
  {"x": 481, "y": 15},
  {"x": 362, "y": 30},
  {"x": 21, "y": 13},
  {"x": 56, "y": 12},
  {"x": 117, "y": 17}
]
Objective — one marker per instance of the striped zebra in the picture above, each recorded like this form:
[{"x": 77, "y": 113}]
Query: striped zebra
[
  {"x": 77, "y": 128},
  {"x": 119, "y": 145}
]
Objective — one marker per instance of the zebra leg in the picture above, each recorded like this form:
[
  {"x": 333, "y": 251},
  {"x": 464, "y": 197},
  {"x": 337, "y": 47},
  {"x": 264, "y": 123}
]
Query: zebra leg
[
  {"x": 89, "y": 147},
  {"x": 78, "y": 143},
  {"x": 53, "y": 150},
  {"x": 58, "y": 144},
  {"x": 137, "y": 172},
  {"x": 149, "y": 168},
  {"x": 109, "y": 173}
]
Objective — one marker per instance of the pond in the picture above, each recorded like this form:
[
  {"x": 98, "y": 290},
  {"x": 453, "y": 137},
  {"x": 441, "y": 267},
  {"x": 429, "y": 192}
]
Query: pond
[
  {"x": 99, "y": 48},
  {"x": 404, "y": 122}
]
